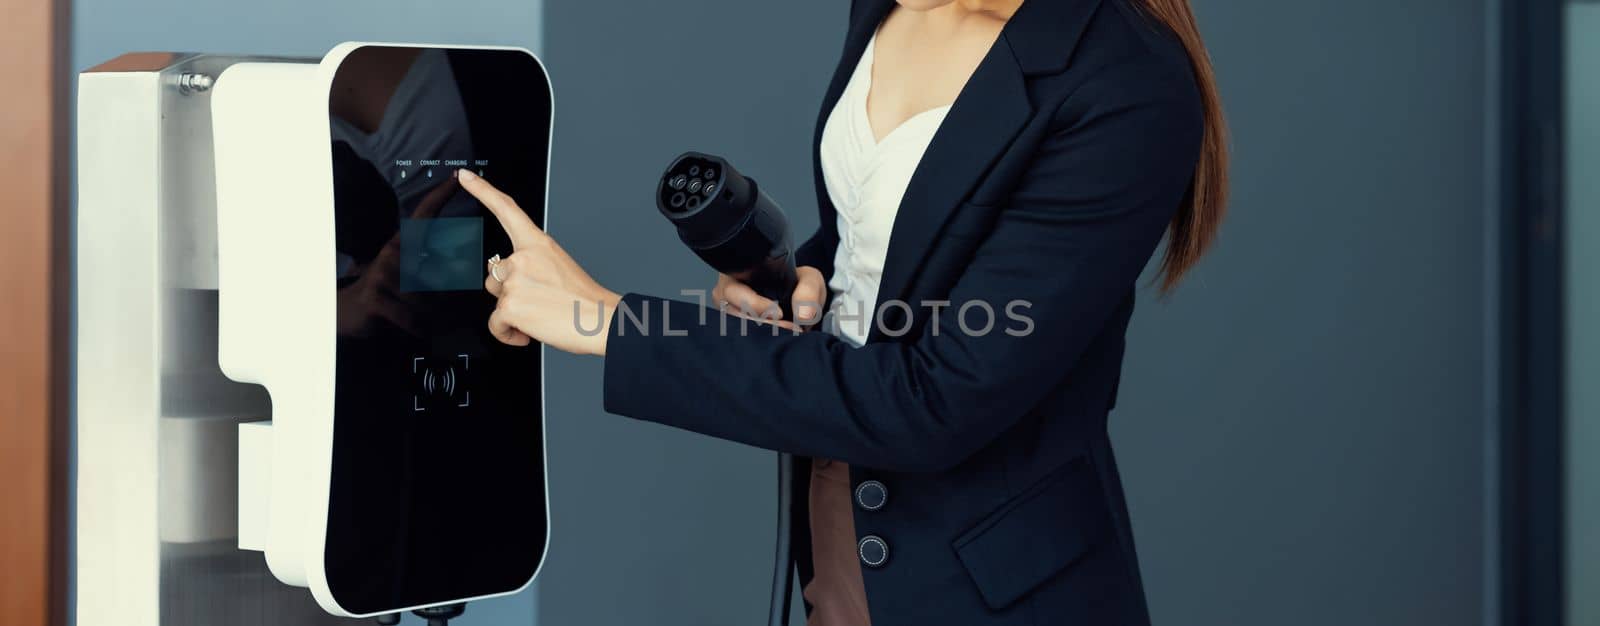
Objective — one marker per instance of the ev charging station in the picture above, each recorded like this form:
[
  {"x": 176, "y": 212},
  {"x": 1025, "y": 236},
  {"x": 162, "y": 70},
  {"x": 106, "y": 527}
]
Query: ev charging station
[{"x": 283, "y": 374}]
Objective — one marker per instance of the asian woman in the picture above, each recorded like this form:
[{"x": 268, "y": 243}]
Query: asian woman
[{"x": 1015, "y": 162}]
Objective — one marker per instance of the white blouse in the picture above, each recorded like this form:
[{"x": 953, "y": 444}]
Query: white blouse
[{"x": 866, "y": 179}]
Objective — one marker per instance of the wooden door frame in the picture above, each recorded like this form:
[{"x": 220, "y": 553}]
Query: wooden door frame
[{"x": 35, "y": 316}]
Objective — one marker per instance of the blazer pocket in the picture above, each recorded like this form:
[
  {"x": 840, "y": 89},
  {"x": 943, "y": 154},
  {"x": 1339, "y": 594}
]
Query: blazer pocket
[{"x": 1036, "y": 535}]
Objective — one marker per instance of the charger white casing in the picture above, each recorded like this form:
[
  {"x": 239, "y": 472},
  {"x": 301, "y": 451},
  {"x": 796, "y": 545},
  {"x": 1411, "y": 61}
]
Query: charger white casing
[
  {"x": 275, "y": 243},
  {"x": 276, "y": 260}
]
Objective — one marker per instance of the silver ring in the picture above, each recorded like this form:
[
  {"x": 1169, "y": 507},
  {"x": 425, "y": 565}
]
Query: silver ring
[{"x": 494, "y": 269}]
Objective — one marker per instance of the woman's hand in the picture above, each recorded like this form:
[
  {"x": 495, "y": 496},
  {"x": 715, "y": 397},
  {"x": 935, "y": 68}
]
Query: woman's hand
[
  {"x": 544, "y": 294},
  {"x": 372, "y": 300},
  {"x": 735, "y": 297}
]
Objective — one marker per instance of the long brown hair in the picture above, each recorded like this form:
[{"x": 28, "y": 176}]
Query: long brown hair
[{"x": 1195, "y": 226}]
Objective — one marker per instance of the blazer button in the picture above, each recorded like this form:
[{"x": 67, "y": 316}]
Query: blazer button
[
  {"x": 871, "y": 495},
  {"x": 874, "y": 551}
]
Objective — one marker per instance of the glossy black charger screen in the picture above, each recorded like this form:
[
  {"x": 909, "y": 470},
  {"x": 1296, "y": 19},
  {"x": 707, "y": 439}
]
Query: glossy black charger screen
[{"x": 438, "y": 480}]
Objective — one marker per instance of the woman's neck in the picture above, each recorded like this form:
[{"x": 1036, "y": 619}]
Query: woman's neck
[{"x": 956, "y": 15}]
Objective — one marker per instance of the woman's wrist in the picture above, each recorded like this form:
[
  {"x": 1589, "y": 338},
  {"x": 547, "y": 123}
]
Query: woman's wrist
[{"x": 608, "y": 302}]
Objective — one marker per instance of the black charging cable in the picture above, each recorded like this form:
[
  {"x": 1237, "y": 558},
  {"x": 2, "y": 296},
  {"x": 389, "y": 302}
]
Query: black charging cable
[
  {"x": 783, "y": 565},
  {"x": 436, "y": 615}
]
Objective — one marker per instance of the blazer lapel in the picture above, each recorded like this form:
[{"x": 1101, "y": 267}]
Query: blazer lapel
[
  {"x": 985, "y": 117},
  {"x": 865, "y": 17}
]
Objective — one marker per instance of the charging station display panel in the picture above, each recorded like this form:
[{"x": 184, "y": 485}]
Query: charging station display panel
[{"x": 437, "y": 489}]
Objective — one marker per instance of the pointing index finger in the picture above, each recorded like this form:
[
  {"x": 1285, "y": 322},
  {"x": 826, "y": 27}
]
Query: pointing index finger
[{"x": 521, "y": 229}]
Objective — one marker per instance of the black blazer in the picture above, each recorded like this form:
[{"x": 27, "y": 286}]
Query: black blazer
[{"x": 1051, "y": 180}]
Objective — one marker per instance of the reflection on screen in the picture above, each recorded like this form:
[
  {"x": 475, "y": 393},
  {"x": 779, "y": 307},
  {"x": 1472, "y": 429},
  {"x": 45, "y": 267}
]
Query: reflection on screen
[{"x": 441, "y": 254}]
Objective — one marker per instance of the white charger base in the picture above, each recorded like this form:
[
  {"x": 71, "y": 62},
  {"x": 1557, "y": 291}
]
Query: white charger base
[{"x": 255, "y": 484}]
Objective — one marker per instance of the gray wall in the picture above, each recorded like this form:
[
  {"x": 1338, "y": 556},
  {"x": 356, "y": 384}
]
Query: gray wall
[
  {"x": 104, "y": 29},
  {"x": 1301, "y": 425}
]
